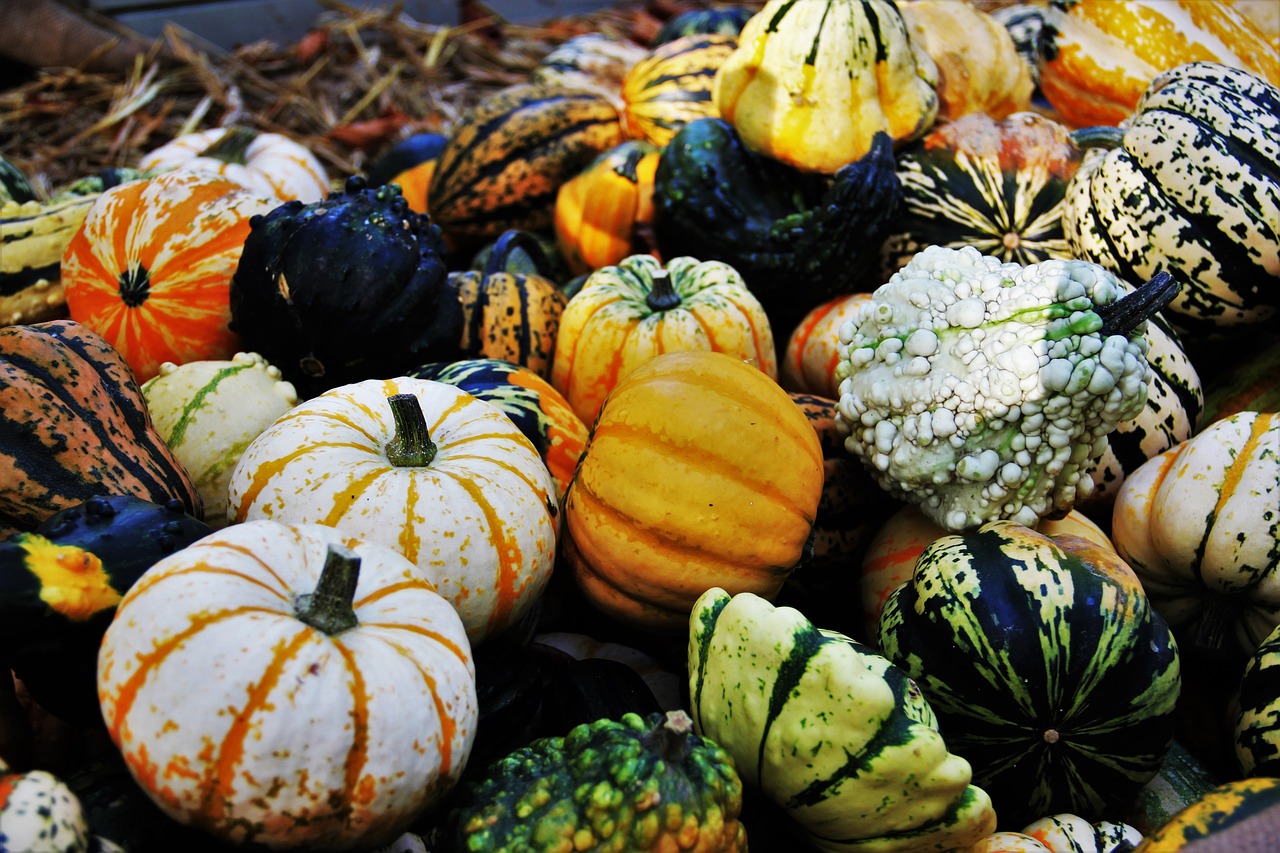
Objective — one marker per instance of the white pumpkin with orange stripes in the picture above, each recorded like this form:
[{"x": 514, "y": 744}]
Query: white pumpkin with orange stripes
[
  {"x": 289, "y": 686},
  {"x": 440, "y": 476},
  {"x": 267, "y": 163}
]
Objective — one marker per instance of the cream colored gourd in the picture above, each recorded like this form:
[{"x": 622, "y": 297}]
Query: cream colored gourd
[{"x": 270, "y": 163}]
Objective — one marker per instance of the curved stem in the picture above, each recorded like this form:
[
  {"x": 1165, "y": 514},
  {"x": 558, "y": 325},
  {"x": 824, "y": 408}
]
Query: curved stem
[
  {"x": 411, "y": 446},
  {"x": 662, "y": 296},
  {"x": 330, "y": 608},
  {"x": 511, "y": 241},
  {"x": 670, "y": 738},
  {"x": 232, "y": 146},
  {"x": 1103, "y": 137},
  {"x": 1131, "y": 310}
]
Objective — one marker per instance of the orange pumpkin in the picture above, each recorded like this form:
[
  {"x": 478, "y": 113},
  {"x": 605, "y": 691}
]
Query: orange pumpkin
[
  {"x": 150, "y": 267},
  {"x": 700, "y": 472},
  {"x": 813, "y": 348},
  {"x": 599, "y": 210}
]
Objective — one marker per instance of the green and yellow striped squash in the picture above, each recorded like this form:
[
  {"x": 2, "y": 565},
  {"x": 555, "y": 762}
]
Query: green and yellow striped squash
[
  {"x": 1228, "y": 805},
  {"x": 506, "y": 158},
  {"x": 209, "y": 411},
  {"x": 1190, "y": 185},
  {"x": 597, "y": 62},
  {"x": 1048, "y": 668},
  {"x": 1257, "y": 724},
  {"x": 672, "y": 86},
  {"x": 835, "y": 734}
]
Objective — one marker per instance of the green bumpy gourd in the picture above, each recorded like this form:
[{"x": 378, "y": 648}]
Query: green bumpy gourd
[{"x": 624, "y": 786}]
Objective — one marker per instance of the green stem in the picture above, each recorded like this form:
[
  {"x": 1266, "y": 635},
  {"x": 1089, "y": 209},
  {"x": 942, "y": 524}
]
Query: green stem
[
  {"x": 1131, "y": 310},
  {"x": 411, "y": 446},
  {"x": 1104, "y": 137},
  {"x": 662, "y": 296},
  {"x": 232, "y": 146},
  {"x": 329, "y": 608}
]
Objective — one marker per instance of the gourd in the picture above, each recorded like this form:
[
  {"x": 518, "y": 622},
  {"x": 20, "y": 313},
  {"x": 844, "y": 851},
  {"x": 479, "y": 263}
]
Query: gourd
[
  {"x": 1048, "y": 668},
  {"x": 600, "y": 211},
  {"x": 350, "y": 712},
  {"x": 827, "y": 729},
  {"x": 728, "y": 20},
  {"x": 60, "y": 584},
  {"x": 40, "y": 814},
  {"x": 1189, "y": 185},
  {"x": 1097, "y": 57},
  {"x": 208, "y": 412},
  {"x": 347, "y": 289},
  {"x": 1256, "y": 737},
  {"x": 596, "y": 62},
  {"x": 674, "y": 495},
  {"x": 671, "y": 86},
  {"x": 811, "y": 84},
  {"x": 443, "y": 478},
  {"x": 635, "y": 783},
  {"x": 626, "y": 314},
  {"x": 1070, "y": 833},
  {"x": 75, "y": 425},
  {"x": 1226, "y": 806},
  {"x": 1198, "y": 523},
  {"x": 409, "y": 164},
  {"x": 813, "y": 347},
  {"x": 270, "y": 164}
]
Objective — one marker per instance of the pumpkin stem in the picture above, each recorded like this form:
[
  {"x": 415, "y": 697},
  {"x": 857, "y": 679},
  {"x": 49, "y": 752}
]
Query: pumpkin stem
[
  {"x": 505, "y": 255},
  {"x": 1104, "y": 137},
  {"x": 329, "y": 608},
  {"x": 670, "y": 738},
  {"x": 232, "y": 146},
  {"x": 411, "y": 446},
  {"x": 662, "y": 296},
  {"x": 1133, "y": 309}
]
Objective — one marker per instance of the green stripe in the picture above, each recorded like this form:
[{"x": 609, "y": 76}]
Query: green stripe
[{"x": 179, "y": 432}]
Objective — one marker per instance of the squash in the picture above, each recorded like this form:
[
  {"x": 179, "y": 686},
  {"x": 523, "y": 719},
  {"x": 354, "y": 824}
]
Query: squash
[
  {"x": 348, "y": 713},
  {"x": 595, "y": 62},
  {"x": 150, "y": 267},
  {"x": 635, "y": 783},
  {"x": 1070, "y": 833},
  {"x": 508, "y": 315},
  {"x": 674, "y": 494},
  {"x": 1256, "y": 736},
  {"x": 1226, "y": 806},
  {"x": 410, "y": 165},
  {"x": 270, "y": 164},
  {"x": 1097, "y": 56},
  {"x": 811, "y": 84},
  {"x": 1183, "y": 778},
  {"x": 40, "y": 814},
  {"x": 14, "y": 185},
  {"x": 538, "y": 409},
  {"x": 728, "y": 20},
  {"x": 350, "y": 288},
  {"x": 424, "y": 468},
  {"x": 1198, "y": 525},
  {"x": 672, "y": 86},
  {"x": 60, "y": 584},
  {"x": 75, "y": 425},
  {"x": 996, "y": 185},
  {"x": 1047, "y": 666},
  {"x": 979, "y": 69},
  {"x": 813, "y": 347},
  {"x": 507, "y": 156},
  {"x": 832, "y": 732},
  {"x": 1190, "y": 185},
  {"x": 208, "y": 412},
  {"x": 600, "y": 211},
  {"x": 625, "y": 315}
]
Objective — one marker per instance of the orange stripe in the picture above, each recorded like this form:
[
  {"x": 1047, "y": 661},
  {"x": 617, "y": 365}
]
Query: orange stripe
[
  {"x": 505, "y": 548},
  {"x": 355, "y": 789},
  {"x": 349, "y": 494},
  {"x": 391, "y": 588}
]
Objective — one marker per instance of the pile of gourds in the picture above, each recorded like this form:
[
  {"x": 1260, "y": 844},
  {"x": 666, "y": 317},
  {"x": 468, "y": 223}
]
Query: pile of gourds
[{"x": 815, "y": 428}]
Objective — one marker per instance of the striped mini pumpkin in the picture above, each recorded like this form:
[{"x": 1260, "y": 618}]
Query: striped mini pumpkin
[
  {"x": 150, "y": 267},
  {"x": 1069, "y": 833},
  {"x": 830, "y": 731},
  {"x": 267, "y": 163},
  {"x": 254, "y": 701},
  {"x": 1047, "y": 666},
  {"x": 425, "y": 468},
  {"x": 672, "y": 86},
  {"x": 813, "y": 347}
]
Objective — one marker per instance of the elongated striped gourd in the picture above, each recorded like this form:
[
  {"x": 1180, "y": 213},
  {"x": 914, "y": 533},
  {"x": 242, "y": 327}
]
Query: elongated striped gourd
[
  {"x": 1226, "y": 806},
  {"x": 829, "y": 730},
  {"x": 1194, "y": 188},
  {"x": 1047, "y": 667},
  {"x": 462, "y": 493},
  {"x": 1257, "y": 733}
]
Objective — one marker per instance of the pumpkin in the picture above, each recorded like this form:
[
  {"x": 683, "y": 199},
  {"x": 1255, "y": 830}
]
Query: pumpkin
[
  {"x": 1097, "y": 56},
  {"x": 1198, "y": 523},
  {"x": 75, "y": 425},
  {"x": 979, "y": 69},
  {"x": 423, "y": 467},
  {"x": 674, "y": 494},
  {"x": 409, "y": 164},
  {"x": 600, "y": 210},
  {"x": 624, "y": 315},
  {"x": 728, "y": 20},
  {"x": 270, "y": 164},
  {"x": 289, "y": 686},
  {"x": 40, "y": 814},
  {"x": 596, "y": 62},
  {"x": 1006, "y": 842},
  {"x": 810, "y": 84},
  {"x": 1070, "y": 833},
  {"x": 996, "y": 185},
  {"x": 832, "y": 732},
  {"x": 672, "y": 86},
  {"x": 1226, "y": 806},
  {"x": 208, "y": 412},
  {"x": 508, "y": 315},
  {"x": 538, "y": 409},
  {"x": 150, "y": 267},
  {"x": 1256, "y": 736},
  {"x": 507, "y": 156},
  {"x": 1190, "y": 185},
  {"x": 813, "y": 347},
  {"x": 1048, "y": 668}
]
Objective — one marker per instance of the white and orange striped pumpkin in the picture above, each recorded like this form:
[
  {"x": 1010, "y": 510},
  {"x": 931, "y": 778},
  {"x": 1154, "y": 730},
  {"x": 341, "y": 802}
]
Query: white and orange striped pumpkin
[
  {"x": 477, "y": 512},
  {"x": 266, "y": 687},
  {"x": 268, "y": 163},
  {"x": 150, "y": 267},
  {"x": 809, "y": 365}
]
